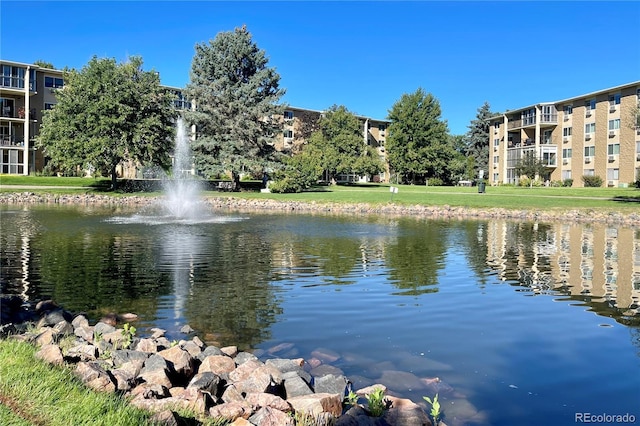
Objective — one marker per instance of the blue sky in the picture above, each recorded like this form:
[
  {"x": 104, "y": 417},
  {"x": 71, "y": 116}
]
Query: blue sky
[{"x": 363, "y": 55}]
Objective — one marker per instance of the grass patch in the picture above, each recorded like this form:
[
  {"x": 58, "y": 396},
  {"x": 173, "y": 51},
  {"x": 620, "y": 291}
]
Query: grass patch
[{"x": 32, "y": 392}]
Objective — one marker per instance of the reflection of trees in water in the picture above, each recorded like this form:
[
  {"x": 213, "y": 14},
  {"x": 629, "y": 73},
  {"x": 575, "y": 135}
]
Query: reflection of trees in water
[
  {"x": 89, "y": 271},
  {"x": 416, "y": 256},
  {"x": 231, "y": 298}
]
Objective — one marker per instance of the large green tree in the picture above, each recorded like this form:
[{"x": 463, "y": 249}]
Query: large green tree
[
  {"x": 235, "y": 95},
  {"x": 418, "y": 146},
  {"x": 108, "y": 113},
  {"x": 477, "y": 140},
  {"x": 340, "y": 144}
]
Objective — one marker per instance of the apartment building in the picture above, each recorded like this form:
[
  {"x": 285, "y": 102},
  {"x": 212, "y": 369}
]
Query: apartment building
[
  {"x": 26, "y": 90},
  {"x": 299, "y": 123},
  {"x": 595, "y": 134}
]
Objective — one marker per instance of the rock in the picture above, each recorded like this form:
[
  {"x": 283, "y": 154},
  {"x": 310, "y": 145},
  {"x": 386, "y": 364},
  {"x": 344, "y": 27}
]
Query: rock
[
  {"x": 155, "y": 391},
  {"x": 95, "y": 377},
  {"x": 221, "y": 365},
  {"x": 325, "y": 369},
  {"x": 243, "y": 357},
  {"x": 231, "y": 394},
  {"x": 280, "y": 348},
  {"x": 401, "y": 381},
  {"x": 231, "y": 410},
  {"x": 209, "y": 351},
  {"x": 124, "y": 380},
  {"x": 110, "y": 319},
  {"x": 325, "y": 355},
  {"x": 207, "y": 382},
  {"x": 80, "y": 321},
  {"x": 231, "y": 351},
  {"x": 330, "y": 384},
  {"x": 50, "y": 354},
  {"x": 147, "y": 345},
  {"x": 192, "y": 348},
  {"x": 53, "y": 317},
  {"x": 128, "y": 317},
  {"x": 84, "y": 332},
  {"x": 102, "y": 328},
  {"x": 268, "y": 416},
  {"x": 157, "y": 332},
  {"x": 83, "y": 352},
  {"x": 45, "y": 337},
  {"x": 186, "y": 329},
  {"x": 317, "y": 403},
  {"x": 156, "y": 371},
  {"x": 165, "y": 418},
  {"x": 181, "y": 361},
  {"x": 260, "y": 400},
  {"x": 296, "y": 386},
  {"x": 260, "y": 380},
  {"x": 122, "y": 356},
  {"x": 63, "y": 328},
  {"x": 406, "y": 413}
]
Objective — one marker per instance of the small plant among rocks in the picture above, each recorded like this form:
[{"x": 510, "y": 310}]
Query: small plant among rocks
[
  {"x": 128, "y": 333},
  {"x": 377, "y": 402},
  {"x": 435, "y": 409},
  {"x": 352, "y": 398}
]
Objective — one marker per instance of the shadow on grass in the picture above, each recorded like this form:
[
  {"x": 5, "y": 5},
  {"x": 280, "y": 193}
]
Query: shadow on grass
[{"x": 627, "y": 199}]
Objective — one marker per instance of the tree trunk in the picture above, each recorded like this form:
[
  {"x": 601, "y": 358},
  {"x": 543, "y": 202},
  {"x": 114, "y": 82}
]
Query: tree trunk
[{"x": 114, "y": 178}]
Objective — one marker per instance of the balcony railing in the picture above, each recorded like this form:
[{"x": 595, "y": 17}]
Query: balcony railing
[
  {"x": 10, "y": 140},
  {"x": 531, "y": 121}
]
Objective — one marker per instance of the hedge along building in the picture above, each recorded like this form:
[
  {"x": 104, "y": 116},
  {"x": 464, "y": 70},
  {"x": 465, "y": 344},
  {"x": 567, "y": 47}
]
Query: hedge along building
[{"x": 595, "y": 134}]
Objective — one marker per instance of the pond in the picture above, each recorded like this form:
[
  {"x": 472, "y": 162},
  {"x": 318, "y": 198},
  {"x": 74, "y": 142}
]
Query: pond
[{"x": 509, "y": 322}]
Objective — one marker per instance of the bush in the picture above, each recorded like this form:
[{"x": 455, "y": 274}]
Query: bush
[
  {"x": 435, "y": 181},
  {"x": 286, "y": 184},
  {"x": 592, "y": 181},
  {"x": 568, "y": 183},
  {"x": 524, "y": 181}
]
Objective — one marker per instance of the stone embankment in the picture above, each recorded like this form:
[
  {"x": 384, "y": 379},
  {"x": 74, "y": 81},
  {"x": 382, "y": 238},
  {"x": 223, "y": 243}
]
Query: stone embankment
[
  {"x": 165, "y": 376},
  {"x": 247, "y": 205}
]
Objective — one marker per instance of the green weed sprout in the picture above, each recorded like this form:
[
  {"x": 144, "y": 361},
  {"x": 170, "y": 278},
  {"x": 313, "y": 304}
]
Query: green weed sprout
[
  {"x": 377, "y": 402},
  {"x": 352, "y": 398},
  {"x": 435, "y": 408},
  {"x": 128, "y": 332}
]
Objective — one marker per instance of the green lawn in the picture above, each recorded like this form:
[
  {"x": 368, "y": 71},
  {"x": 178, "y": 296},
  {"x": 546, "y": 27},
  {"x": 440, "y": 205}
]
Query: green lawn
[{"x": 624, "y": 200}]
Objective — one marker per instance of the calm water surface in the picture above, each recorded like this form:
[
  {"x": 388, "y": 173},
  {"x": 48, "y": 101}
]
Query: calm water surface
[{"x": 522, "y": 323}]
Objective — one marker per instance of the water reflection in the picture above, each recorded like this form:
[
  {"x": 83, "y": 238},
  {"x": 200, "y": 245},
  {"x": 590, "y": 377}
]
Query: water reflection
[{"x": 597, "y": 265}]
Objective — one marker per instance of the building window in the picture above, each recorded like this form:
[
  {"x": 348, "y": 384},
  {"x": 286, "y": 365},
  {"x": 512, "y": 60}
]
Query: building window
[
  {"x": 11, "y": 161},
  {"x": 614, "y": 124},
  {"x": 638, "y": 147},
  {"x": 288, "y": 134},
  {"x": 7, "y": 106},
  {"x": 53, "y": 82},
  {"x": 613, "y": 174},
  {"x": 566, "y": 153},
  {"x": 589, "y": 106},
  {"x": 566, "y": 131},
  {"x": 566, "y": 174},
  {"x": 12, "y": 77},
  {"x": 382, "y": 127},
  {"x": 48, "y": 105},
  {"x": 614, "y": 99},
  {"x": 546, "y": 136},
  {"x": 589, "y": 172},
  {"x": 613, "y": 149},
  {"x": 288, "y": 115},
  {"x": 529, "y": 117},
  {"x": 568, "y": 109},
  {"x": 590, "y": 128},
  {"x": 496, "y": 159},
  {"x": 180, "y": 102},
  {"x": 589, "y": 151},
  {"x": 496, "y": 142}
]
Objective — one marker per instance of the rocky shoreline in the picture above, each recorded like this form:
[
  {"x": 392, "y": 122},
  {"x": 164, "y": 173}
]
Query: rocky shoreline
[
  {"x": 248, "y": 205},
  {"x": 165, "y": 376}
]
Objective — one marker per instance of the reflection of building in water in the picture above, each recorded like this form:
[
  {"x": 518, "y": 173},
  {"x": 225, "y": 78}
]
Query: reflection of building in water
[{"x": 598, "y": 264}]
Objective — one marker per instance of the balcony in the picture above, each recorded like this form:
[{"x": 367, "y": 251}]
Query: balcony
[
  {"x": 11, "y": 140},
  {"x": 546, "y": 119}
]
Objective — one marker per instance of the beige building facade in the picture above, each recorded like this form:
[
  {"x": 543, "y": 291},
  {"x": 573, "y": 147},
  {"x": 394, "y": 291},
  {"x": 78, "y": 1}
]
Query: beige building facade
[
  {"x": 26, "y": 90},
  {"x": 299, "y": 123},
  {"x": 595, "y": 134}
]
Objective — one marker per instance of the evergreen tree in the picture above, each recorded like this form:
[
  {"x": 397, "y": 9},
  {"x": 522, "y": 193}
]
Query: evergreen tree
[
  {"x": 107, "y": 114},
  {"x": 418, "y": 146},
  {"x": 477, "y": 140},
  {"x": 235, "y": 95}
]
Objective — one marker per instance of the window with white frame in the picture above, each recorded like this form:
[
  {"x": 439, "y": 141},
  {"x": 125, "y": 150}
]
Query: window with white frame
[
  {"x": 566, "y": 131},
  {"x": 566, "y": 174},
  {"x": 288, "y": 134},
  {"x": 613, "y": 174},
  {"x": 613, "y": 149},
  {"x": 496, "y": 159},
  {"x": 637, "y": 147},
  {"x": 589, "y": 172},
  {"x": 546, "y": 136},
  {"x": 568, "y": 109},
  {"x": 590, "y": 128},
  {"x": 48, "y": 105},
  {"x": 590, "y": 106},
  {"x": 288, "y": 115},
  {"x": 614, "y": 124},
  {"x": 496, "y": 142},
  {"x": 566, "y": 153},
  {"x": 589, "y": 151}
]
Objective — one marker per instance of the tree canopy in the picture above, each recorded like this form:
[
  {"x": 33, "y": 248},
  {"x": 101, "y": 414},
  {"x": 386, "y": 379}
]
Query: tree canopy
[
  {"x": 418, "y": 146},
  {"x": 235, "y": 95},
  {"x": 341, "y": 146},
  {"x": 477, "y": 140},
  {"x": 108, "y": 113}
]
